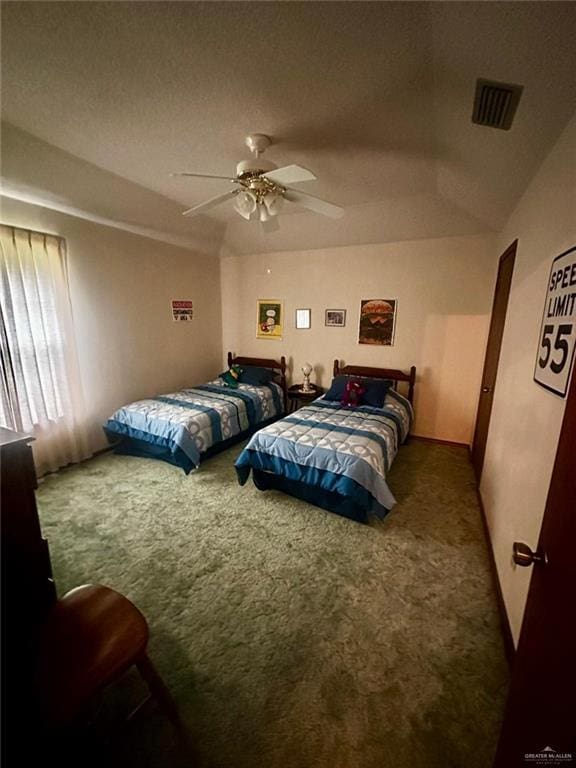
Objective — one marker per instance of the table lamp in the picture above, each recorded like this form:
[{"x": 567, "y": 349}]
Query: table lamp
[{"x": 306, "y": 370}]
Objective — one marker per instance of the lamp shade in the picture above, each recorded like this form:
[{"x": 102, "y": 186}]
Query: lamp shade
[
  {"x": 273, "y": 203},
  {"x": 245, "y": 204},
  {"x": 263, "y": 213},
  {"x": 306, "y": 369}
]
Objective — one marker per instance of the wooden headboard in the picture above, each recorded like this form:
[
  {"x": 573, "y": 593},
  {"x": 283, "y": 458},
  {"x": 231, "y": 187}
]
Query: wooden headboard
[
  {"x": 393, "y": 374},
  {"x": 264, "y": 362}
]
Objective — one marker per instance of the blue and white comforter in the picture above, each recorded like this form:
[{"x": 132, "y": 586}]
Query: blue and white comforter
[
  {"x": 194, "y": 420},
  {"x": 353, "y": 449}
]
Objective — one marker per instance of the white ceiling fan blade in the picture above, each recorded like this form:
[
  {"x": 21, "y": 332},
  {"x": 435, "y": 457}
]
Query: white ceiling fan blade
[
  {"x": 212, "y": 203},
  {"x": 290, "y": 174},
  {"x": 314, "y": 203},
  {"x": 271, "y": 225},
  {"x": 204, "y": 176}
]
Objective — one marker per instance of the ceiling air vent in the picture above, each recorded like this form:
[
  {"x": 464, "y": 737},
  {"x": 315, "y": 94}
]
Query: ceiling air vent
[{"x": 495, "y": 103}]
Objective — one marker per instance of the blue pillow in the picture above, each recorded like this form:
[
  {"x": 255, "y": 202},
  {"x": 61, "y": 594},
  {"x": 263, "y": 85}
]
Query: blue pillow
[
  {"x": 376, "y": 390},
  {"x": 374, "y": 395},
  {"x": 336, "y": 391},
  {"x": 251, "y": 374}
]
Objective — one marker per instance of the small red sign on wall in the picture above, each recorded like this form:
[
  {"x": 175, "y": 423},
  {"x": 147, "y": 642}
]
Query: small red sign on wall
[{"x": 182, "y": 310}]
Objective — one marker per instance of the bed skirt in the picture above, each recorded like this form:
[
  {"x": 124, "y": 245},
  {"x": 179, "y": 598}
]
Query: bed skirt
[
  {"x": 328, "y": 500},
  {"x": 133, "y": 446}
]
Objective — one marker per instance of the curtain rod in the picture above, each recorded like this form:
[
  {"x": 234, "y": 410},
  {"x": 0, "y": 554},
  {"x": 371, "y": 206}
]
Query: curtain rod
[{"x": 32, "y": 231}]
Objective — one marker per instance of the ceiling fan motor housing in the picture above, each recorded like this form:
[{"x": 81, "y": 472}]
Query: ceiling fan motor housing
[{"x": 256, "y": 165}]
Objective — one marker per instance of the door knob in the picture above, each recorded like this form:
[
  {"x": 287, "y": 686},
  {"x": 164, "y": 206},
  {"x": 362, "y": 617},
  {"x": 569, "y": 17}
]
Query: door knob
[
  {"x": 486, "y": 389},
  {"x": 523, "y": 555}
]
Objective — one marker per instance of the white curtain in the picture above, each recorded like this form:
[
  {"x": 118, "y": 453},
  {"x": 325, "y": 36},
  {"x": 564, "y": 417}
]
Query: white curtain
[{"x": 40, "y": 390}]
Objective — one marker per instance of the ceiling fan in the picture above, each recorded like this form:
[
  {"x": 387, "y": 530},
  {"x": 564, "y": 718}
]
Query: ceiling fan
[{"x": 261, "y": 188}]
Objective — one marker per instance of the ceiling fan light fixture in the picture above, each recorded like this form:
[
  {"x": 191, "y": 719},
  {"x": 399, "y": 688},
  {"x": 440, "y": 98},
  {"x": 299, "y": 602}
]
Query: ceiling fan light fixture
[
  {"x": 263, "y": 212},
  {"x": 273, "y": 202},
  {"x": 245, "y": 204}
]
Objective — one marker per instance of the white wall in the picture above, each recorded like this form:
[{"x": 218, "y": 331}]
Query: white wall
[
  {"x": 40, "y": 173},
  {"x": 121, "y": 286},
  {"x": 443, "y": 287},
  {"x": 526, "y": 418}
]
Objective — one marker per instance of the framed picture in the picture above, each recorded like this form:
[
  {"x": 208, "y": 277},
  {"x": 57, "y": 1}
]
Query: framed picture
[
  {"x": 303, "y": 318},
  {"x": 182, "y": 310},
  {"x": 335, "y": 317},
  {"x": 269, "y": 319},
  {"x": 377, "y": 321}
]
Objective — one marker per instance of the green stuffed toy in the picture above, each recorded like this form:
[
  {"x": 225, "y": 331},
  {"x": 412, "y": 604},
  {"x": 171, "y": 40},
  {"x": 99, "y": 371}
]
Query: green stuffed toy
[{"x": 230, "y": 377}]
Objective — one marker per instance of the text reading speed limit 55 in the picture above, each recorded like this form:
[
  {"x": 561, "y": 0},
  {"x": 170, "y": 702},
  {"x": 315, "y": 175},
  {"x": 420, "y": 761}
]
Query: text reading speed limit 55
[{"x": 558, "y": 331}]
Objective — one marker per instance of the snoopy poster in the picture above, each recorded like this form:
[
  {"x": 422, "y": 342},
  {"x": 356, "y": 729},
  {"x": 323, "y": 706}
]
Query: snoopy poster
[{"x": 269, "y": 319}]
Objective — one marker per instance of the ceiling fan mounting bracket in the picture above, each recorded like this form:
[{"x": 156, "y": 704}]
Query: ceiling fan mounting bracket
[{"x": 257, "y": 143}]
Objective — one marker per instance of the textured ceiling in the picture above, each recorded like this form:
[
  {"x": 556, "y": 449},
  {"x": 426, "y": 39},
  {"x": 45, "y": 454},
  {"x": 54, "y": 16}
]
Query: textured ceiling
[{"x": 375, "y": 98}]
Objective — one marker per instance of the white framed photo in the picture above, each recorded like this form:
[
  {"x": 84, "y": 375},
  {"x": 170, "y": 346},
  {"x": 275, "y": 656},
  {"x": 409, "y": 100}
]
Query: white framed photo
[{"x": 303, "y": 318}]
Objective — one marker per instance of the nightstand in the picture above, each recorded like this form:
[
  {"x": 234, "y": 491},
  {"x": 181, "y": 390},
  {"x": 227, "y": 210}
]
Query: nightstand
[{"x": 297, "y": 398}]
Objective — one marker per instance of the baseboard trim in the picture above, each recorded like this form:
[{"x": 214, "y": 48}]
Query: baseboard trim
[
  {"x": 509, "y": 648},
  {"x": 439, "y": 442},
  {"x": 100, "y": 451}
]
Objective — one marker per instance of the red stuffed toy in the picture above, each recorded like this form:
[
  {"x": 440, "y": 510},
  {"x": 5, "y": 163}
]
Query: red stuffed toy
[{"x": 353, "y": 394}]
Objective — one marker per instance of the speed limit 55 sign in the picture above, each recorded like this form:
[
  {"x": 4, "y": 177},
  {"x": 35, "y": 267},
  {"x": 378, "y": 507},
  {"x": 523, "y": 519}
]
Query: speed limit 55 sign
[{"x": 558, "y": 332}]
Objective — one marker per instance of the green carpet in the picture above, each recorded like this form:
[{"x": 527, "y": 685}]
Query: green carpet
[{"x": 291, "y": 637}]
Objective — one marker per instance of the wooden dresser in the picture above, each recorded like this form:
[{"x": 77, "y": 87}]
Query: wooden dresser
[
  {"x": 27, "y": 588},
  {"x": 27, "y": 584}
]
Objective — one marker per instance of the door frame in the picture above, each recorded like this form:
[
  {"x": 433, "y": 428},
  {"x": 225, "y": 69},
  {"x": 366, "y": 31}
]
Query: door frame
[
  {"x": 509, "y": 253},
  {"x": 505, "y": 627}
]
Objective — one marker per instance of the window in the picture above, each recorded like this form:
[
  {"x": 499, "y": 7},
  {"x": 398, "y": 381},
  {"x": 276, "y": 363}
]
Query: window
[{"x": 39, "y": 387}]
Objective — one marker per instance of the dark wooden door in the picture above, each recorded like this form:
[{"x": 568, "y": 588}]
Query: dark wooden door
[
  {"x": 499, "y": 307},
  {"x": 541, "y": 711}
]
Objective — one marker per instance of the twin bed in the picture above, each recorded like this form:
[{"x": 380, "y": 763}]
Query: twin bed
[
  {"x": 327, "y": 454},
  {"x": 193, "y": 424},
  {"x": 333, "y": 456}
]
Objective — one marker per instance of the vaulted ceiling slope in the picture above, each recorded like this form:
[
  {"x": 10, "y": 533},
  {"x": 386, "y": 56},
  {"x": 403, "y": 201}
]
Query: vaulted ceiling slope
[{"x": 375, "y": 98}]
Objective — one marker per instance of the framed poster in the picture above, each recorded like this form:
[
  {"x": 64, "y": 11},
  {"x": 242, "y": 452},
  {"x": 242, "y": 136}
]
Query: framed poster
[
  {"x": 269, "y": 319},
  {"x": 182, "y": 309},
  {"x": 377, "y": 321},
  {"x": 555, "y": 357}
]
